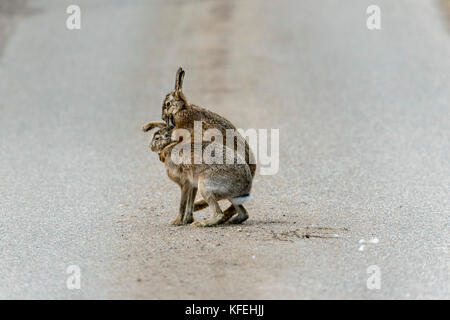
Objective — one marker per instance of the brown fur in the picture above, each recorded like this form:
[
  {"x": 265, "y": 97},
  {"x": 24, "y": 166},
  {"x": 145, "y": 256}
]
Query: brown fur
[
  {"x": 177, "y": 112},
  {"x": 214, "y": 182}
]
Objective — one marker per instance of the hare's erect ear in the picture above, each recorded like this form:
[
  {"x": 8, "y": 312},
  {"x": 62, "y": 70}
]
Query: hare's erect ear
[
  {"x": 153, "y": 124},
  {"x": 179, "y": 79}
]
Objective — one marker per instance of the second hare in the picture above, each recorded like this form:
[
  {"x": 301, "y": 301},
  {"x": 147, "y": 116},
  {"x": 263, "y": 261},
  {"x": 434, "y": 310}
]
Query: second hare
[{"x": 215, "y": 181}]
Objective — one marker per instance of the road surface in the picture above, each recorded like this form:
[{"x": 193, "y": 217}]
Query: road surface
[{"x": 364, "y": 176}]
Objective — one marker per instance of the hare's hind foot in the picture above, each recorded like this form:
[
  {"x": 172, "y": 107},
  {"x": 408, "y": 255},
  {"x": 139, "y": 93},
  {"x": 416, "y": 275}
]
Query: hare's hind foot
[
  {"x": 217, "y": 219},
  {"x": 241, "y": 216},
  {"x": 229, "y": 212},
  {"x": 210, "y": 222}
]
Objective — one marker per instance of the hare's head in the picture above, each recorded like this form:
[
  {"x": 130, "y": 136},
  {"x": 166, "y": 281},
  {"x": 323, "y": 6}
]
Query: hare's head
[
  {"x": 161, "y": 138},
  {"x": 175, "y": 100}
]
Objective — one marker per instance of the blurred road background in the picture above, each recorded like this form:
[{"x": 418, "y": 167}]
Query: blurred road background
[{"x": 364, "y": 151}]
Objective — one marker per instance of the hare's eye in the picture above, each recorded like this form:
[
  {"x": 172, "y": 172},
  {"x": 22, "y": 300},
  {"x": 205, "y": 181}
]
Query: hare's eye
[{"x": 168, "y": 104}]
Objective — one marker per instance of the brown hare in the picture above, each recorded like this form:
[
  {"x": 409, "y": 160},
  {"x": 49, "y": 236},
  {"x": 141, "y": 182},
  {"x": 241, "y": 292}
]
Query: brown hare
[
  {"x": 214, "y": 181},
  {"x": 178, "y": 113}
]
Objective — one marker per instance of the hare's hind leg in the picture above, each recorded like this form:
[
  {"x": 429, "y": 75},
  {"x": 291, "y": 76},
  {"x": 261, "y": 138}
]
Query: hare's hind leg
[
  {"x": 217, "y": 216},
  {"x": 241, "y": 216},
  {"x": 229, "y": 212},
  {"x": 200, "y": 205}
]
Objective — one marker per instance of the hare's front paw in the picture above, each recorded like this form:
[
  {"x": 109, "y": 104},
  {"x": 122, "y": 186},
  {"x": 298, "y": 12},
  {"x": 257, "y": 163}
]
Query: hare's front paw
[
  {"x": 176, "y": 222},
  {"x": 188, "y": 220}
]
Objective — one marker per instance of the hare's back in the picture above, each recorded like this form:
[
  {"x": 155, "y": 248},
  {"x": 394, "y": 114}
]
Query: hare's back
[{"x": 212, "y": 119}]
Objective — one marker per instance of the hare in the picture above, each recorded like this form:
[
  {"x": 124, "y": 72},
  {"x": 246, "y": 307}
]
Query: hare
[
  {"x": 214, "y": 181},
  {"x": 178, "y": 113}
]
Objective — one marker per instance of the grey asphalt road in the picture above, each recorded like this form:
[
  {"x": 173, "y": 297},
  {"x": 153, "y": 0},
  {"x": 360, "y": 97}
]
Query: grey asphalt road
[{"x": 364, "y": 148}]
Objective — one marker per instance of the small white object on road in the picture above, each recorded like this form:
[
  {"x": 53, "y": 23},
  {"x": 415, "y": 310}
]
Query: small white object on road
[{"x": 371, "y": 241}]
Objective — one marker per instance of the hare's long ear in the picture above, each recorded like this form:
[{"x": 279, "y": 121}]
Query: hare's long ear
[
  {"x": 179, "y": 80},
  {"x": 153, "y": 124}
]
